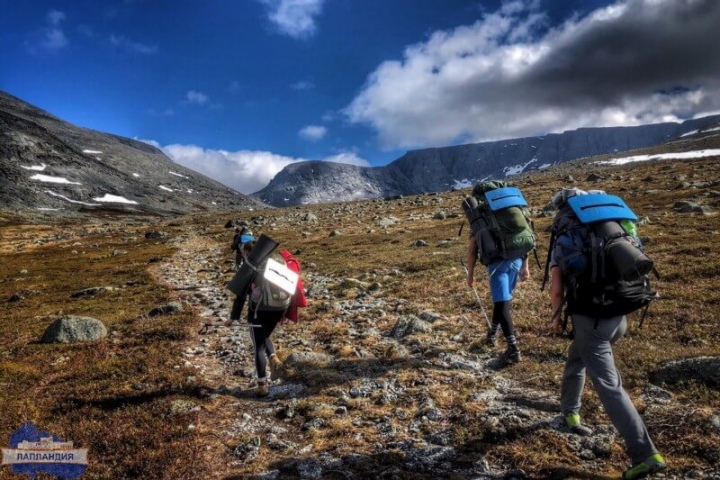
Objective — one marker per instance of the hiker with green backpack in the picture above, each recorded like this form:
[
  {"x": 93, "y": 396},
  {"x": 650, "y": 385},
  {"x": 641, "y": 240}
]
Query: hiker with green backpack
[
  {"x": 599, "y": 271},
  {"x": 501, "y": 238}
]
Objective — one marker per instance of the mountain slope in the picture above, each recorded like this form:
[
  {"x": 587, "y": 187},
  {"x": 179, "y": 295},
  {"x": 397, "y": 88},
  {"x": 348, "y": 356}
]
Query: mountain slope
[
  {"x": 439, "y": 169},
  {"x": 49, "y": 164}
]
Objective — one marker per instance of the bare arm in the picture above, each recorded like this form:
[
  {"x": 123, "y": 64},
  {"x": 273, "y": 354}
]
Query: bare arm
[
  {"x": 471, "y": 259},
  {"x": 525, "y": 270},
  {"x": 557, "y": 297}
]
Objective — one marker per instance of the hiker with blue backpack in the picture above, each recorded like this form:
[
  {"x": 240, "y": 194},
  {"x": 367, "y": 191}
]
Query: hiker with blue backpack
[
  {"x": 501, "y": 237},
  {"x": 599, "y": 272},
  {"x": 241, "y": 237}
]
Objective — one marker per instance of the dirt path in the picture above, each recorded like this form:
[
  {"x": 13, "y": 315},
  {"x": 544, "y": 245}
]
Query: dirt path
[{"x": 392, "y": 422}]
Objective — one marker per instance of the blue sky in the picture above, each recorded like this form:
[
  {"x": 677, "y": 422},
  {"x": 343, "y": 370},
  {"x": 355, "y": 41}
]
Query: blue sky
[{"x": 238, "y": 89}]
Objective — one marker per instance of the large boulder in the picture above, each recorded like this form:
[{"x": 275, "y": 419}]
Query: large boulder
[
  {"x": 703, "y": 370},
  {"x": 72, "y": 329}
]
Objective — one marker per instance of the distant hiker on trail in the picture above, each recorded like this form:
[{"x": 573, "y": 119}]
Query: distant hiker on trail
[
  {"x": 501, "y": 238},
  {"x": 597, "y": 303},
  {"x": 269, "y": 303},
  {"x": 242, "y": 236}
]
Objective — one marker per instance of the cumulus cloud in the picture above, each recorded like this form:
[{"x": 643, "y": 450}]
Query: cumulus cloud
[
  {"x": 313, "y": 133},
  {"x": 127, "y": 44},
  {"x": 197, "y": 98},
  {"x": 246, "y": 171},
  {"x": 512, "y": 74},
  {"x": 295, "y": 18}
]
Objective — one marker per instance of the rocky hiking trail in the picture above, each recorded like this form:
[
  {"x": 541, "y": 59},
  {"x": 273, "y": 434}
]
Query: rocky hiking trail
[{"x": 387, "y": 413}]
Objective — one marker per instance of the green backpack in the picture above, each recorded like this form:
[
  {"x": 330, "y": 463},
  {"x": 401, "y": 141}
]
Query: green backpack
[{"x": 499, "y": 222}]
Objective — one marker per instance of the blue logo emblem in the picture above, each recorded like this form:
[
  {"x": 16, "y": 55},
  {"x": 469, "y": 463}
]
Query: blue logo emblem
[{"x": 32, "y": 451}]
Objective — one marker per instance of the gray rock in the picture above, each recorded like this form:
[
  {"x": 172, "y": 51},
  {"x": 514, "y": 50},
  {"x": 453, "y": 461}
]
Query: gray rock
[
  {"x": 172, "y": 307},
  {"x": 307, "y": 357},
  {"x": 247, "y": 451},
  {"x": 181, "y": 407},
  {"x": 704, "y": 370},
  {"x": 72, "y": 329},
  {"x": 687, "y": 207},
  {"x": 89, "y": 292},
  {"x": 409, "y": 324},
  {"x": 156, "y": 235}
]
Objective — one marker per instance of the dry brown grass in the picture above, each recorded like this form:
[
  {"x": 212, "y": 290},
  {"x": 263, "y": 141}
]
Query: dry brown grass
[
  {"x": 113, "y": 396},
  {"x": 90, "y": 393}
]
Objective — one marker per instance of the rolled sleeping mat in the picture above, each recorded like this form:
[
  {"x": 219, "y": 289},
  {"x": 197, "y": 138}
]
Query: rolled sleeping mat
[
  {"x": 470, "y": 207},
  {"x": 240, "y": 283},
  {"x": 487, "y": 247},
  {"x": 628, "y": 259}
]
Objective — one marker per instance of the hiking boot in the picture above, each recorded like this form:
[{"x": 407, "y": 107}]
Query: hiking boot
[
  {"x": 573, "y": 422},
  {"x": 651, "y": 465},
  {"x": 511, "y": 355},
  {"x": 643, "y": 469},
  {"x": 491, "y": 339},
  {"x": 276, "y": 367},
  {"x": 262, "y": 390}
]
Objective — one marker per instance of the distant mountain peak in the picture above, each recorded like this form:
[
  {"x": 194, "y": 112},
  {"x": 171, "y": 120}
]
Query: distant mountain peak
[
  {"x": 444, "y": 168},
  {"x": 49, "y": 165}
]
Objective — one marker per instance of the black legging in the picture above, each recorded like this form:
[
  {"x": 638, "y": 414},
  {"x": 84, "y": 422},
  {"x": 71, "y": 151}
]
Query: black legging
[
  {"x": 502, "y": 317},
  {"x": 261, "y": 326}
]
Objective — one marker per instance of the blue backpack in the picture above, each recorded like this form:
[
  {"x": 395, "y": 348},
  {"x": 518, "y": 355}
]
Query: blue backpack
[
  {"x": 594, "y": 242},
  {"x": 498, "y": 221}
]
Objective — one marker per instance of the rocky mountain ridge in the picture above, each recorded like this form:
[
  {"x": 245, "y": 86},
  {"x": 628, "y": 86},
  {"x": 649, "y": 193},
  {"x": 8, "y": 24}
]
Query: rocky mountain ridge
[
  {"x": 446, "y": 168},
  {"x": 52, "y": 167}
]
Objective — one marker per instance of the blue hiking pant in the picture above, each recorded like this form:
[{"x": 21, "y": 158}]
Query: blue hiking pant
[{"x": 591, "y": 352}]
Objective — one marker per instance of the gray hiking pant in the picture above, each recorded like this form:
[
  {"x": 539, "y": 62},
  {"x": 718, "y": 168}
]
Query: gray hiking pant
[{"x": 591, "y": 351}]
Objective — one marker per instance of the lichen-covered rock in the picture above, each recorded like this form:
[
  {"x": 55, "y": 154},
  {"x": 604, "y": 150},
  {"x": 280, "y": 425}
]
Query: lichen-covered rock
[{"x": 72, "y": 329}]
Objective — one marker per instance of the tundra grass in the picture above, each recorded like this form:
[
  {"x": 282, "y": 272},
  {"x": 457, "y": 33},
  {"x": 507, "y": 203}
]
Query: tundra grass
[{"x": 112, "y": 397}]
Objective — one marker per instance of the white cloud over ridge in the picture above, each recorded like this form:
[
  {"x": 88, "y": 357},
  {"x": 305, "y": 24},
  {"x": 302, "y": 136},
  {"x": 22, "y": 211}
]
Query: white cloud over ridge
[
  {"x": 246, "y": 171},
  {"x": 313, "y": 133},
  {"x": 511, "y": 75},
  {"x": 295, "y": 18}
]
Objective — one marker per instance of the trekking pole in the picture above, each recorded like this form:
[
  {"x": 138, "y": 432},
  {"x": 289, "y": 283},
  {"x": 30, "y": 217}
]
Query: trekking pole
[{"x": 477, "y": 296}]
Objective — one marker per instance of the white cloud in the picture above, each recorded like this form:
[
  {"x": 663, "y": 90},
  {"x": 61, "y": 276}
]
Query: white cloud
[
  {"x": 197, "y": 98},
  {"x": 511, "y": 75},
  {"x": 303, "y": 85},
  {"x": 295, "y": 18},
  {"x": 313, "y": 133},
  {"x": 127, "y": 44},
  {"x": 54, "y": 17},
  {"x": 50, "y": 38},
  {"x": 246, "y": 171},
  {"x": 349, "y": 158}
]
